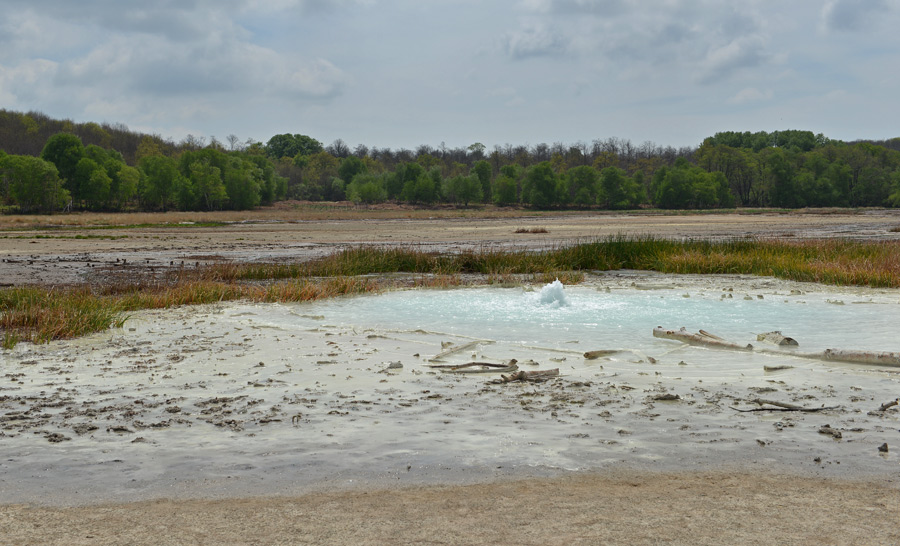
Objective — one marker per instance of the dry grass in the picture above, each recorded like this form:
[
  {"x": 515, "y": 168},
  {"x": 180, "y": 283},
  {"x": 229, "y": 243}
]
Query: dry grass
[
  {"x": 42, "y": 314},
  {"x": 532, "y": 230},
  {"x": 286, "y": 211}
]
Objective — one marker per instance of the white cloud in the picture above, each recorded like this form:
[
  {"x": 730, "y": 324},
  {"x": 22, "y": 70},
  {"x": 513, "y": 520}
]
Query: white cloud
[
  {"x": 722, "y": 62},
  {"x": 406, "y": 72},
  {"x": 751, "y": 95},
  {"x": 852, "y": 15},
  {"x": 534, "y": 41}
]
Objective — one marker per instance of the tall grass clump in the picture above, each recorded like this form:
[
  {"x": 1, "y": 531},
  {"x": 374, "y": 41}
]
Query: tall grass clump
[{"x": 42, "y": 314}]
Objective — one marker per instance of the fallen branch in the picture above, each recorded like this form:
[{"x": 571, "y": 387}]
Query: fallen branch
[
  {"x": 706, "y": 339},
  {"x": 454, "y": 350},
  {"x": 777, "y": 338},
  {"x": 703, "y": 338},
  {"x": 781, "y": 406},
  {"x": 478, "y": 367},
  {"x": 890, "y": 404},
  {"x": 593, "y": 355},
  {"x": 535, "y": 376},
  {"x": 862, "y": 357}
]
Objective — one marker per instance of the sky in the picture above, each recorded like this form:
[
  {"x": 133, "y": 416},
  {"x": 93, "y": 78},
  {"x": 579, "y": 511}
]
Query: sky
[{"x": 403, "y": 73}]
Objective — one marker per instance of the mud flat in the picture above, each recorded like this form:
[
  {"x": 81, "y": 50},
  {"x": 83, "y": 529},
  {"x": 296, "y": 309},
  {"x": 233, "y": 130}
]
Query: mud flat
[
  {"x": 240, "y": 423},
  {"x": 328, "y": 402},
  {"x": 74, "y": 250}
]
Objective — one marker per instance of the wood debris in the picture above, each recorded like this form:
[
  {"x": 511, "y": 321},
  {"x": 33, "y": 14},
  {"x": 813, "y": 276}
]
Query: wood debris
[
  {"x": 777, "y": 338},
  {"x": 478, "y": 367},
  {"x": 593, "y": 355},
  {"x": 534, "y": 376},
  {"x": 703, "y": 338}
]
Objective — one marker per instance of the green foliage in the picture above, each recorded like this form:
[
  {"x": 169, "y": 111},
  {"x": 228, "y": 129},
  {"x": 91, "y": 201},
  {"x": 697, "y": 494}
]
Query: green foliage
[
  {"x": 506, "y": 190},
  {"x": 422, "y": 190},
  {"x": 162, "y": 181},
  {"x": 539, "y": 188},
  {"x": 482, "y": 169},
  {"x": 350, "y": 167},
  {"x": 33, "y": 183},
  {"x": 800, "y": 141},
  {"x": 208, "y": 187},
  {"x": 367, "y": 188},
  {"x": 781, "y": 168},
  {"x": 242, "y": 183},
  {"x": 287, "y": 145},
  {"x": 463, "y": 189},
  {"x": 65, "y": 150},
  {"x": 618, "y": 191},
  {"x": 581, "y": 185},
  {"x": 685, "y": 187}
]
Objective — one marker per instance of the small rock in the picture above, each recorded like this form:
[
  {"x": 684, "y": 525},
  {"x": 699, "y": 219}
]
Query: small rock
[
  {"x": 883, "y": 448},
  {"x": 834, "y": 433},
  {"x": 120, "y": 430}
]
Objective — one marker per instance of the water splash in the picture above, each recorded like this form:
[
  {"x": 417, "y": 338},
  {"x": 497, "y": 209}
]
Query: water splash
[{"x": 554, "y": 294}]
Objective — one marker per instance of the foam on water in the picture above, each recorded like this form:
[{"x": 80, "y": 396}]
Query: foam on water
[
  {"x": 554, "y": 294},
  {"x": 626, "y": 317}
]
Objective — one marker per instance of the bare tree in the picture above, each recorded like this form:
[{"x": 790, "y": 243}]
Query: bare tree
[
  {"x": 361, "y": 151},
  {"x": 338, "y": 148}
]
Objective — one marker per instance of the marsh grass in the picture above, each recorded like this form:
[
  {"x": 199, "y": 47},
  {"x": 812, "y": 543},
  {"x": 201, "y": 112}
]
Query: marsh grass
[{"x": 42, "y": 314}]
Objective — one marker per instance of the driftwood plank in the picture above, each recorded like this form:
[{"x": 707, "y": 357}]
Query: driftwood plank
[
  {"x": 477, "y": 367},
  {"x": 703, "y": 338}
]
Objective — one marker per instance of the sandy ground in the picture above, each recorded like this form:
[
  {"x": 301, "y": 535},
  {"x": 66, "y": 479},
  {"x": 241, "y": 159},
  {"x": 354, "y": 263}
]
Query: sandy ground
[
  {"x": 67, "y": 254},
  {"x": 734, "y": 505},
  {"x": 705, "y": 508}
]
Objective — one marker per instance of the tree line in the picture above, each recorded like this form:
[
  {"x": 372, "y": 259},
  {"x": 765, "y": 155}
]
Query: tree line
[
  {"x": 78, "y": 166},
  {"x": 69, "y": 175}
]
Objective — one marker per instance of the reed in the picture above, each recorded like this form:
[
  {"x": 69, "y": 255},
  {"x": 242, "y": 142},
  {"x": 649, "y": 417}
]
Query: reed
[{"x": 42, "y": 314}]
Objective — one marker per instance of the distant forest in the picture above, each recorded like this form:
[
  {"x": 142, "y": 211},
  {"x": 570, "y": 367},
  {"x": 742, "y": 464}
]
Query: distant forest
[{"x": 49, "y": 165}]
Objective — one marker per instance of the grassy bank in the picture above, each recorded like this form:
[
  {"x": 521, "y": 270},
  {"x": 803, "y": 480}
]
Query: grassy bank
[
  {"x": 41, "y": 314},
  {"x": 848, "y": 263}
]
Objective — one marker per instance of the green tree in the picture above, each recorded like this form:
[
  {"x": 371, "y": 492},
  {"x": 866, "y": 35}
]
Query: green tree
[
  {"x": 618, "y": 191},
  {"x": 320, "y": 169},
  {"x": 463, "y": 189},
  {"x": 288, "y": 145},
  {"x": 161, "y": 181},
  {"x": 672, "y": 188},
  {"x": 581, "y": 185},
  {"x": 540, "y": 186},
  {"x": 482, "y": 169},
  {"x": 65, "y": 150},
  {"x": 367, "y": 188},
  {"x": 404, "y": 174},
  {"x": 208, "y": 186},
  {"x": 93, "y": 183},
  {"x": 34, "y": 183},
  {"x": 783, "y": 188},
  {"x": 421, "y": 190},
  {"x": 242, "y": 184},
  {"x": 351, "y": 166},
  {"x": 506, "y": 190},
  {"x": 124, "y": 186}
]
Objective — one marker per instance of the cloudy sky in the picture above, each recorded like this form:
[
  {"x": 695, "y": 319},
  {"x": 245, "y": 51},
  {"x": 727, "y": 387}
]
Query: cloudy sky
[{"x": 406, "y": 72}]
